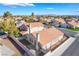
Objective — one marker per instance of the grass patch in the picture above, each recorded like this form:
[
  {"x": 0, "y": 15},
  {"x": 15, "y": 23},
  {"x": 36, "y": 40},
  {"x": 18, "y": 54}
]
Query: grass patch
[{"x": 73, "y": 29}]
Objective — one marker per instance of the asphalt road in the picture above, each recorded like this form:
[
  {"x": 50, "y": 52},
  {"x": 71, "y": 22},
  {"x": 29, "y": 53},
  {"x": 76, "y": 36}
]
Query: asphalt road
[
  {"x": 73, "y": 50},
  {"x": 68, "y": 33}
]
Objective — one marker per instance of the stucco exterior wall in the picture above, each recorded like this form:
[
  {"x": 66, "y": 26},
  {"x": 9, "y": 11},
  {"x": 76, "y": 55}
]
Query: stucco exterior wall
[
  {"x": 36, "y": 29},
  {"x": 47, "y": 46},
  {"x": 63, "y": 47}
]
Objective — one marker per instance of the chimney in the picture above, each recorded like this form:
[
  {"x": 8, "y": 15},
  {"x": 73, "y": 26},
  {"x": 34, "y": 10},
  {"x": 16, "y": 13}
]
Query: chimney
[
  {"x": 37, "y": 37},
  {"x": 37, "y": 41},
  {"x": 29, "y": 32},
  {"x": 29, "y": 28}
]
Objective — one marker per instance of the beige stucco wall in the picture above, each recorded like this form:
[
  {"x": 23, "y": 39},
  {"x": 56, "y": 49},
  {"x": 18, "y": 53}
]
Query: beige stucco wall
[{"x": 47, "y": 46}]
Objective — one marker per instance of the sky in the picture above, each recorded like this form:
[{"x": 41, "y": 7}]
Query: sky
[{"x": 40, "y": 8}]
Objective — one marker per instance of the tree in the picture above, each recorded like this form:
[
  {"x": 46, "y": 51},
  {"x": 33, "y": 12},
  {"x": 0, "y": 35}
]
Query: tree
[
  {"x": 13, "y": 30},
  {"x": 9, "y": 27},
  {"x": 32, "y": 14},
  {"x": 7, "y": 15},
  {"x": 28, "y": 19},
  {"x": 5, "y": 25},
  {"x": 25, "y": 18}
]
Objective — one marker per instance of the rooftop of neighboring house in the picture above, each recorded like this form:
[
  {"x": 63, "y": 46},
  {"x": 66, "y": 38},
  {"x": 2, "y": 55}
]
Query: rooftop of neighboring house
[
  {"x": 20, "y": 23},
  {"x": 47, "y": 35},
  {"x": 8, "y": 48},
  {"x": 36, "y": 24},
  {"x": 60, "y": 20},
  {"x": 49, "y": 19},
  {"x": 74, "y": 23},
  {"x": 18, "y": 18}
]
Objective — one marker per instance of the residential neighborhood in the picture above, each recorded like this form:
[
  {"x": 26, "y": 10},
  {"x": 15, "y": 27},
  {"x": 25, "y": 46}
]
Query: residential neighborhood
[{"x": 39, "y": 35}]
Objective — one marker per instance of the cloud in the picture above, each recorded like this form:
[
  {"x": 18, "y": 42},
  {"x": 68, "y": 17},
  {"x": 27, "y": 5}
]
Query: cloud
[
  {"x": 49, "y": 8},
  {"x": 15, "y": 3},
  {"x": 19, "y": 4},
  {"x": 76, "y": 10}
]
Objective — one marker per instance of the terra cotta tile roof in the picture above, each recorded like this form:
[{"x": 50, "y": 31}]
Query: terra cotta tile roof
[
  {"x": 36, "y": 24},
  {"x": 33, "y": 25},
  {"x": 48, "y": 35}
]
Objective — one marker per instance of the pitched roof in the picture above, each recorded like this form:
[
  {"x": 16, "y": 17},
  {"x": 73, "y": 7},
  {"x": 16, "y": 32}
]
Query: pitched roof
[
  {"x": 48, "y": 35},
  {"x": 60, "y": 20},
  {"x": 36, "y": 24},
  {"x": 74, "y": 23}
]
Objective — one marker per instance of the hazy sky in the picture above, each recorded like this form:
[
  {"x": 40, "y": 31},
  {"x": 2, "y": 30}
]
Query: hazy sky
[{"x": 41, "y": 8}]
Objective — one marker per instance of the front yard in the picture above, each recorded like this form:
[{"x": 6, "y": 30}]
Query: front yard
[{"x": 73, "y": 29}]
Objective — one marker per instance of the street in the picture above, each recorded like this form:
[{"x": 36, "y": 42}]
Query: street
[
  {"x": 73, "y": 50},
  {"x": 68, "y": 33}
]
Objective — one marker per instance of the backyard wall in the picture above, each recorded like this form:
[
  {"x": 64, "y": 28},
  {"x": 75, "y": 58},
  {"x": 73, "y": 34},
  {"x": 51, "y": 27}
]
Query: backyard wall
[{"x": 60, "y": 50}]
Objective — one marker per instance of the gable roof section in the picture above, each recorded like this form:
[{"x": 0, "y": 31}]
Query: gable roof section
[{"x": 48, "y": 35}]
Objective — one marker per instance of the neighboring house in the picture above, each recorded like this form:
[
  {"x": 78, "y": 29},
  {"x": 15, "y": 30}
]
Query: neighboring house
[
  {"x": 67, "y": 20},
  {"x": 18, "y": 18},
  {"x": 49, "y": 20},
  {"x": 63, "y": 23},
  {"x": 36, "y": 19},
  {"x": 65, "y": 26},
  {"x": 55, "y": 23},
  {"x": 21, "y": 25},
  {"x": 34, "y": 27},
  {"x": 46, "y": 25},
  {"x": 60, "y": 20},
  {"x": 74, "y": 23}
]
